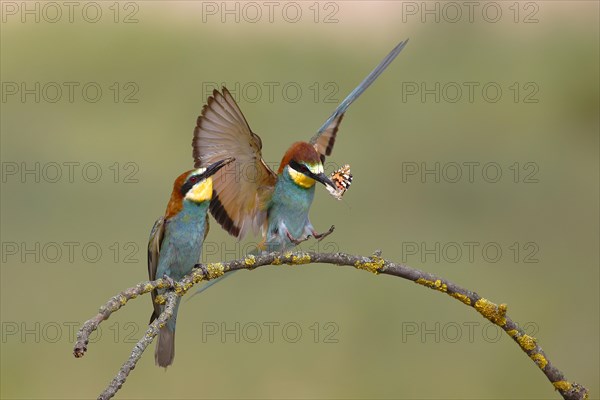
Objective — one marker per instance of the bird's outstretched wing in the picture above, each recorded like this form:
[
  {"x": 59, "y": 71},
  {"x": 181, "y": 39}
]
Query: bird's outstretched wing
[
  {"x": 154, "y": 243},
  {"x": 240, "y": 188},
  {"x": 325, "y": 137}
]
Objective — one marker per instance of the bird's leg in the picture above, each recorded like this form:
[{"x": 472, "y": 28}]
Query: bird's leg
[
  {"x": 294, "y": 240},
  {"x": 262, "y": 246},
  {"x": 321, "y": 236}
]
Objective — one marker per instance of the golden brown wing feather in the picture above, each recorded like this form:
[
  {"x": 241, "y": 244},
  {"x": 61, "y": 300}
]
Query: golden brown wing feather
[
  {"x": 154, "y": 243},
  {"x": 206, "y": 228},
  {"x": 240, "y": 188}
]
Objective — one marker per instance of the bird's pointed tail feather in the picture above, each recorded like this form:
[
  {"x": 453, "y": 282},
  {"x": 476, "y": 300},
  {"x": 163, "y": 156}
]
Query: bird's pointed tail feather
[{"x": 165, "y": 347}]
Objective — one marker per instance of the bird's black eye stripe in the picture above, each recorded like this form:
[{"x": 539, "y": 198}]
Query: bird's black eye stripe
[
  {"x": 192, "y": 180},
  {"x": 299, "y": 167}
]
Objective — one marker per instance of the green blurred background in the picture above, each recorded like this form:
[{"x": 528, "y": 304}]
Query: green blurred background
[{"x": 388, "y": 338}]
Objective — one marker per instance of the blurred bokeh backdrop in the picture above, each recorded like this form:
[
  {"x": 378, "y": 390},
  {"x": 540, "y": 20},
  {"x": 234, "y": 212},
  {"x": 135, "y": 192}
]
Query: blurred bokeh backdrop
[{"x": 475, "y": 156}]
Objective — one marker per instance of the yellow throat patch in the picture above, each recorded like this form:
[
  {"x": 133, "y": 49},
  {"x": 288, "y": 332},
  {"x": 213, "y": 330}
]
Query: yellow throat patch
[
  {"x": 202, "y": 191},
  {"x": 300, "y": 179}
]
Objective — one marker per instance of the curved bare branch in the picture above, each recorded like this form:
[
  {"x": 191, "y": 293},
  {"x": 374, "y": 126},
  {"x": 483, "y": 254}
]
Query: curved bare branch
[{"x": 496, "y": 313}]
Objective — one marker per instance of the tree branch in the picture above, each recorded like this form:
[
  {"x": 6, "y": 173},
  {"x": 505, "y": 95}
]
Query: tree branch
[{"x": 375, "y": 264}]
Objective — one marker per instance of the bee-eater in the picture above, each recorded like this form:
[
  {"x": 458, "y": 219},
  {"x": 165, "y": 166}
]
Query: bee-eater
[
  {"x": 175, "y": 243},
  {"x": 248, "y": 195}
]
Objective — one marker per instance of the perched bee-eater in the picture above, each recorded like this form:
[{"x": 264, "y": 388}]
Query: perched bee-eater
[
  {"x": 176, "y": 241},
  {"x": 248, "y": 195}
]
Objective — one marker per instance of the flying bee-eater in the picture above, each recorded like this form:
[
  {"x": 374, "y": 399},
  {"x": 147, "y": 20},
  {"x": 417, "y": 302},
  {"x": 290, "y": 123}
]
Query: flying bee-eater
[
  {"x": 248, "y": 195},
  {"x": 175, "y": 244}
]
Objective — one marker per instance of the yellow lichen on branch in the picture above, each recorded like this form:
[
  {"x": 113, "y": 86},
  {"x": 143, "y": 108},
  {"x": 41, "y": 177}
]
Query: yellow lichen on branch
[
  {"x": 461, "y": 297},
  {"x": 180, "y": 290},
  {"x": 215, "y": 270},
  {"x": 148, "y": 288},
  {"x": 374, "y": 266},
  {"x": 301, "y": 259},
  {"x": 526, "y": 342},
  {"x": 492, "y": 311},
  {"x": 540, "y": 360},
  {"x": 160, "y": 299},
  {"x": 436, "y": 285},
  {"x": 250, "y": 260},
  {"x": 562, "y": 385}
]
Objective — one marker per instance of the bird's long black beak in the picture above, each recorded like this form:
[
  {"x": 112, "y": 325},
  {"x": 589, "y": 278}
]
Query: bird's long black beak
[
  {"x": 214, "y": 167},
  {"x": 324, "y": 179},
  {"x": 320, "y": 177}
]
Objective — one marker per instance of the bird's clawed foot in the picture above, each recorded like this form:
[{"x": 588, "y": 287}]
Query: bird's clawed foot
[
  {"x": 294, "y": 240},
  {"x": 321, "y": 236},
  {"x": 169, "y": 280},
  {"x": 202, "y": 268},
  {"x": 316, "y": 235}
]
